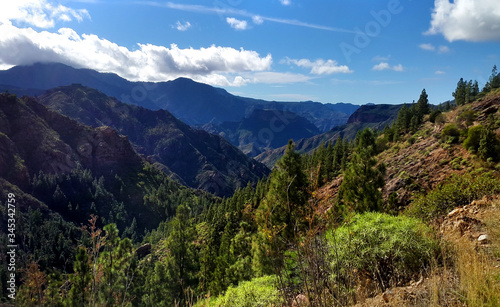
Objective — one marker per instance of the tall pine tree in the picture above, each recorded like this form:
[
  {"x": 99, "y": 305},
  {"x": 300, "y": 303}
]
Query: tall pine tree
[
  {"x": 182, "y": 263},
  {"x": 363, "y": 179}
]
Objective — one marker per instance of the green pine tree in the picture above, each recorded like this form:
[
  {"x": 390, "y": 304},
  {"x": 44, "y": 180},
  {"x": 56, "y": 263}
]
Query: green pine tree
[
  {"x": 423, "y": 107},
  {"x": 488, "y": 145},
  {"x": 287, "y": 195},
  {"x": 182, "y": 264},
  {"x": 363, "y": 179},
  {"x": 460, "y": 92},
  {"x": 81, "y": 279}
]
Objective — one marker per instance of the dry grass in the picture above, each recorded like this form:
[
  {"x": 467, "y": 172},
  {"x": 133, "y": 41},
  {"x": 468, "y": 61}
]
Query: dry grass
[
  {"x": 467, "y": 273},
  {"x": 476, "y": 265},
  {"x": 478, "y": 269}
]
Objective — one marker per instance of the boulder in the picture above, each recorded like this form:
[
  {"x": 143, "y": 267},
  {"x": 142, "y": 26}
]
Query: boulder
[{"x": 143, "y": 250}]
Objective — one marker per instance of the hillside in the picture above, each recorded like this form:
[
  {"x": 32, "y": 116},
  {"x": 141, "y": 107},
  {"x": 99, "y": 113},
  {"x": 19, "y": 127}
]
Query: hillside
[
  {"x": 194, "y": 103},
  {"x": 199, "y": 159},
  {"x": 67, "y": 168},
  {"x": 35, "y": 139},
  {"x": 432, "y": 175}
]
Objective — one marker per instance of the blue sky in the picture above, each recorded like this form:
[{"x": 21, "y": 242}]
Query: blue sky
[{"x": 357, "y": 51}]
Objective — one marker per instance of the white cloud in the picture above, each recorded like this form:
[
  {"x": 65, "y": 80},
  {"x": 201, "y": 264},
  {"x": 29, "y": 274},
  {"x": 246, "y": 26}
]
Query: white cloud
[
  {"x": 272, "y": 77},
  {"x": 443, "y": 49},
  {"x": 39, "y": 13},
  {"x": 320, "y": 66},
  {"x": 257, "y": 20},
  {"x": 286, "y": 2},
  {"x": 379, "y": 58},
  {"x": 398, "y": 67},
  {"x": 381, "y": 66},
  {"x": 224, "y": 10},
  {"x": 431, "y": 47},
  {"x": 237, "y": 24},
  {"x": 385, "y": 66},
  {"x": 439, "y": 72},
  {"x": 469, "y": 20},
  {"x": 215, "y": 65},
  {"x": 150, "y": 62},
  {"x": 428, "y": 47},
  {"x": 182, "y": 26}
]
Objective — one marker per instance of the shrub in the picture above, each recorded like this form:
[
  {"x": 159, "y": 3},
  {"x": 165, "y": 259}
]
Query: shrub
[
  {"x": 473, "y": 138},
  {"x": 450, "y": 133},
  {"x": 456, "y": 191},
  {"x": 467, "y": 117},
  {"x": 412, "y": 140},
  {"x": 434, "y": 115},
  {"x": 256, "y": 292},
  {"x": 440, "y": 119},
  {"x": 489, "y": 147},
  {"x": 388, "y": 249},
  {"x": 484, "y": 142}
]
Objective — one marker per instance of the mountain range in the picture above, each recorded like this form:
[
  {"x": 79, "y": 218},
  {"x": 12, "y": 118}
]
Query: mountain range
[
  {"x": 259, "y": 128},
  {"x": 194, "y": 103},
  {"x": 194, "y": 157},
  {"x": 112, "y": 203},
  {"x": 265, "y": 130}
]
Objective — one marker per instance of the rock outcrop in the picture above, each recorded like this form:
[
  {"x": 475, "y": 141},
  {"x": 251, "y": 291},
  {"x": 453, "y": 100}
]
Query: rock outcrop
[{"x": 34, "y": 139}]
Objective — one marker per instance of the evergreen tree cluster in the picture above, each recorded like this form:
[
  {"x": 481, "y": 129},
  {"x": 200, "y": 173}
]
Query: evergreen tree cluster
[
  {"x": 493, "y": 81},
  {"x": 209, "y": 244},
  {"x": 327, "y": 161},
  {"x": 409, "y": 118},
  {"x": 468, "y": 91},
  {"x": 483, "y": 141},
  {"x": 363, "y": 179}
]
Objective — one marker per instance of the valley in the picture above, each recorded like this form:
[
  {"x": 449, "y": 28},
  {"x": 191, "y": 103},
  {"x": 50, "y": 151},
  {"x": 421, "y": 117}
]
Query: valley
[{"x": 247, "y": 203}]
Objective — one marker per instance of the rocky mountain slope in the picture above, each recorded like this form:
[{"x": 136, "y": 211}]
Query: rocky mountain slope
[
  {"x": 432, "y": 176},
  {"x": 199, "y": 159},
  {"x": 38, "y": 142},
  {"x": 423, "y": 160},
  {"x": 36, "y": 139}
]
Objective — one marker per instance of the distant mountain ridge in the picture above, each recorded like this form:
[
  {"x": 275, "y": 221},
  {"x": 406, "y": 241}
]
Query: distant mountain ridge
[
  {"x": 194, "y": 103},
  {"x": 199, "y": 159},
  {"x": 367, "y": 116},
  {"x": 264, "y": 130}
]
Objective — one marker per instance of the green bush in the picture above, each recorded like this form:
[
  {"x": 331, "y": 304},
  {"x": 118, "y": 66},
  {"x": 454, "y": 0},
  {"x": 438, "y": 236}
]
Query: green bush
[
  {"x": 450, "y": 133},
  {"x": 458, "y": 190},
  {"x": 256, "y": 292},
  {"x": 434, "y": 115},
  {"x": 489, "y": 146},
  {"x": 389, "y": 249},
  {"x": 473, "y": 138},
  {"x": 467, "y": 117}
]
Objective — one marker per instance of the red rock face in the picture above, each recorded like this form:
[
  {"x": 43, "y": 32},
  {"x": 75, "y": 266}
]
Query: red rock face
[{"x": 34, "y": 139}]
